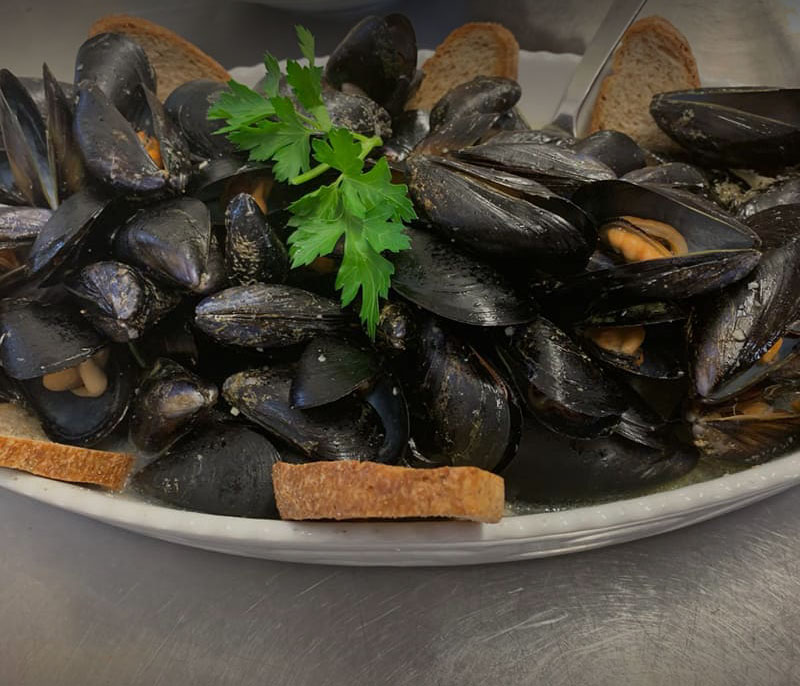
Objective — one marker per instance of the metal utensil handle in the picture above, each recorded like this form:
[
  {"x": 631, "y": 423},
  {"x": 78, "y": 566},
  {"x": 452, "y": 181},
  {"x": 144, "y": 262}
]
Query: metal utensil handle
[{"x": 600, "y": 48}]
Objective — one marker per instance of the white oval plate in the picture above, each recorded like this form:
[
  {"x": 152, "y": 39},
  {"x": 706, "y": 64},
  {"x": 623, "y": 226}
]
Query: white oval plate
[{"x": 543, "y": 77}]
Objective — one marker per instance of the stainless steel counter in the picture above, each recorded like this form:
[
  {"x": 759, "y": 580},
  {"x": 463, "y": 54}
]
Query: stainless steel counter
[{"x": 83, "y": 604}]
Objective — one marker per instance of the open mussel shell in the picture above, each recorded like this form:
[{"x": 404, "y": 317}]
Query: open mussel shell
[
  {"x": 562, "y": 386},
  {"x": 38, "y": 91},
  {"x": 224, "y": 469},
  {"x": 678, "y": 175},
  {"x": 378, "y": 56},
  {"x": 170, "y": 401},
  {"x": 731, "y": 330},
  {"x": 646, "y": 339},
  {"x": 66, "y": 161},
  {"x": 119, "y": 300},
  {"x": 188, "y": 106},
  {"x": 25, "y": 141},
  {"x": 560, "y": 169},
  {"x": 386, "y": 397},
  {"x": 357, "y": 113},
  {"x": 9, "y": 193},
  {"x": 217, "y": 180},
  {"x": 253, "y": 251},
  {"x": 467, "y": 112},
  {"x": 750, "y": 428},
  {"x": 330, "y": 369},
  {"x": 752, "y": 128},
  {"x": 436, "y": 276},
  {"x": 113, "y": 153},
  {"x": 463, "y": 413},
  {"x": 269, "y": 315},
  {"x": 396, "y": 328},
  {"x": 68, "y": 418},
  {"x": 170, "y": 241},
  {"x": 615, "y": 149},
  {"x": 39, "y": 339},
  {"x": 347, "y": 430},
  {"x": 490, "y": 218},
  {"x": 116, "y": 64}
]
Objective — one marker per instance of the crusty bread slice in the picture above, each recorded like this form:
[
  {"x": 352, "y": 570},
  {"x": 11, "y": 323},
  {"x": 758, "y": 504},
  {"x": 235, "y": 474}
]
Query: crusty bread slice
[
  {"x": 476, "y": 49},
  {"x": 653, "y": 57},
  {"x": 175, "y": 59},
  {"x": 349, "y": 489},
  {"x": 24, "y": 446}
]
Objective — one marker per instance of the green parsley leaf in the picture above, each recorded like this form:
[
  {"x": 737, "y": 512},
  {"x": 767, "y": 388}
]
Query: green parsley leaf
[
  {"x": 375, "y": 187},
  {"x": 273, "y": 78},
  {"x": 339, "y": 150},
  {"x": 242, "y": 106},
  {"x": 305, "y": 39}
]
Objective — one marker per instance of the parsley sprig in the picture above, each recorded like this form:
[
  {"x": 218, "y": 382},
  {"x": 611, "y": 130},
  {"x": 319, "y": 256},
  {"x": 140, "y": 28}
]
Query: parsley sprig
[{"x": 363, "y": 206}]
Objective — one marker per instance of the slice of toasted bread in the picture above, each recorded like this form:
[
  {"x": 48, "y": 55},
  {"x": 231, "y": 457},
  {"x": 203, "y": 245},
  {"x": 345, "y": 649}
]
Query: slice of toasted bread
[
  {"x": 175, "y": 59},
  {"x": 24, "y": 446},
  {"x": 653, "y": 57},
  {"x": 476, "y": 49},
  {"x": 367, "y": 490}
]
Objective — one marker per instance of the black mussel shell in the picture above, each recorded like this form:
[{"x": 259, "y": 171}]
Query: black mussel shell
[
  {"x": 170, "y": 241},
  {"x": 170, "y": 401},
  {"x": 111, "y": 150},
  {"x": 558, "y": 471},
  {"x": 436, "y": 276},
  {"x": 188, "y": 105},
  {"x": 482, "y": 215},
  {"x": 67, "y": 418},
  {"x": 253, "y": 251},
  {"x": 39, "y": 339},
  {"x": 730, "y": 331},
  {"x": 549, "y": 136},
  {"x": 386, "y": 397},
  {"x": 269, "y": 315},
  {"x": 172, "y": 337},
  {"x": 562, "y": 170},
  {"x": 408, "y": 129},
  {"x": 615, "y": 149},
  {"x": 751, "y": 128},
  {"x": 117, "y": 65},
  {"x": 9, "y": 193},
  {"x": 562, "y": 386},
  {"x": 379, "y": 56},
  {"x": 330, "y": 369},
  {"x": 783, "y": 192},
  {"x": 679, "y": 175},
  {"x": 509, "y": 122},
  {"x": 641, "y": 424},
  {"x": 750, "y": 428},
  {"x": 65, "y": 231},
  {"x": 357, "y": 113},
  {"x": 215, "y": 275},
  {"x": 225, "y": 469},
  {"x": 66, "y": 161},
  {"x": 346, "y": 430},
  {"x": 37, "y": 90},
  {"x": 25, "y": 141},
  {"x": 20, "y": 226},
  {"x": 119, "y": 300},
  {"x": 463, "y": 413},
  {"x": 467, "y": 112},
  {"x": 215, "y": 181}
]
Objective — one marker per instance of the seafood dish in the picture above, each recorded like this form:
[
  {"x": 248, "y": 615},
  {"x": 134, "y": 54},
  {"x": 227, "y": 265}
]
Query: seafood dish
[{"x": 636, "y": 312}]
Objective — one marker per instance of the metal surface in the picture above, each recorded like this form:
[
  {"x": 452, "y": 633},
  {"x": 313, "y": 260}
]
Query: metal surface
[
  {"x": 620, "y": 16},
  {"x": 84, "y": 604}
]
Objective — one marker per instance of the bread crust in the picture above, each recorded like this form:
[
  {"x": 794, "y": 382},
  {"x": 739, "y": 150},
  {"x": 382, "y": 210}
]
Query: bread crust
[
  {"x": 506, "y": 61},
  {"x": 66, "y": 462},
  {"x": 349, "y": 489},
  {"x": 169, "y": 70},
  {"x": 674, "y": 41}
]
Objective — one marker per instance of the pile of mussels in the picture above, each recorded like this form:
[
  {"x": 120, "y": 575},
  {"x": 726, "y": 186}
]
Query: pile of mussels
[{"x": 640, "y": 307}]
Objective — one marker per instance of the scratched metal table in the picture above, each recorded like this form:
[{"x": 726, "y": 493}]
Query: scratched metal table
[{"x": 84, "y": 604}]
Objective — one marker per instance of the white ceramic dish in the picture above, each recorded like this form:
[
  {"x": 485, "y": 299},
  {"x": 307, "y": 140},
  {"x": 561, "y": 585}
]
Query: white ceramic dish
[{"x": 543, "y": 77}]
